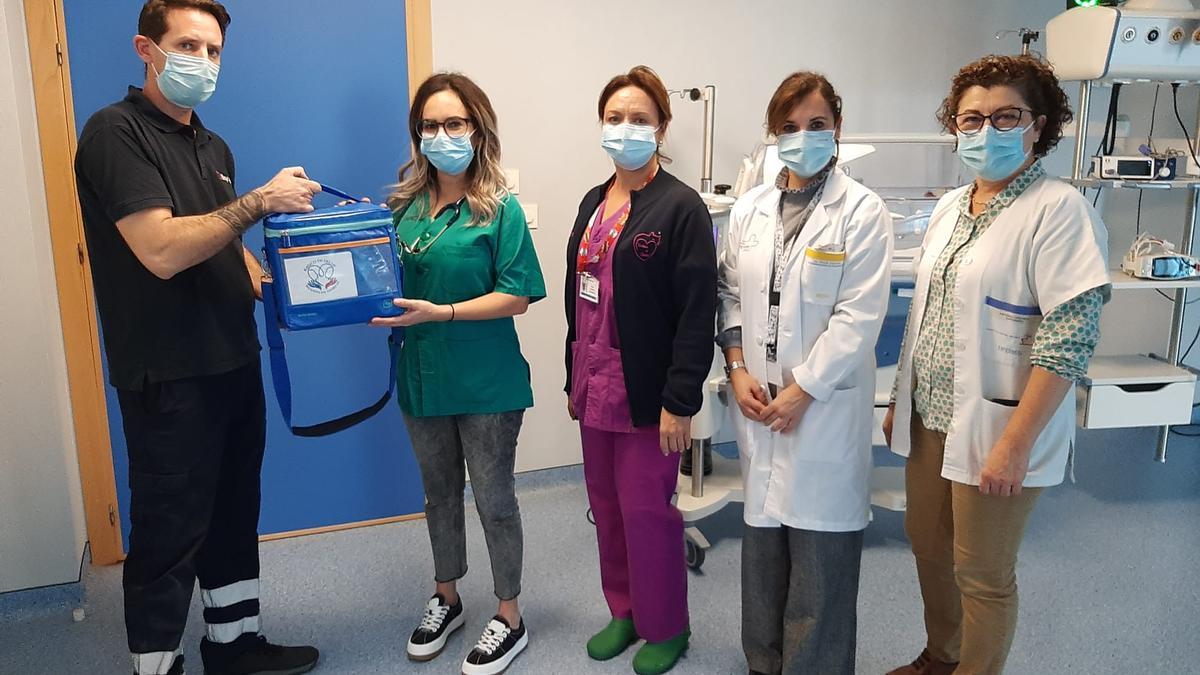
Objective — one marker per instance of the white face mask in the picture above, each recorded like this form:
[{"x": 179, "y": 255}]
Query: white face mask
[{"x": 187, "y": 81}]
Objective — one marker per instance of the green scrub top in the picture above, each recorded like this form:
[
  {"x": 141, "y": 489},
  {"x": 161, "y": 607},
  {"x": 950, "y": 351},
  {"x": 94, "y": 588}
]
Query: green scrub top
[{"x": 465, "y": 367}]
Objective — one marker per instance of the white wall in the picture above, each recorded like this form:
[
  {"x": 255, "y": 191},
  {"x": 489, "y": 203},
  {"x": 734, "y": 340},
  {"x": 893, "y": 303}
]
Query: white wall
[
  {"x": 42, "y": 530},
  {"x": 543, "y": 63}
]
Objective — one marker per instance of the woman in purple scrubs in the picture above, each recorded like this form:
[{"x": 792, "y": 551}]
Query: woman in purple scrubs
[{"x": 641, "y": 309}]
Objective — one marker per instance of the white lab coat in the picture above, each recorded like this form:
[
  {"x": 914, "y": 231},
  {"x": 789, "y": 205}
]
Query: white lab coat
[
  {"x": 833, "y": 301},
  {"x": 1047, "y": 247}
]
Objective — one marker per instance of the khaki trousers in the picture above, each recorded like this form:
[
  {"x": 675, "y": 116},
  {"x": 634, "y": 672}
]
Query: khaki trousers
[{"x": 965, "y": 544}]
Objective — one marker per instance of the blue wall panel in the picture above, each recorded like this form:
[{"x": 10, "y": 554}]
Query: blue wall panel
[{"x": 300, "y": 85}]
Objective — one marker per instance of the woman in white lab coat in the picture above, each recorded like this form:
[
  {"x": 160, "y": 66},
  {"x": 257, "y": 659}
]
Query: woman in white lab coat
[
  {"x": 1010, "y": 283},
  {"x": 804, "y": 278}
]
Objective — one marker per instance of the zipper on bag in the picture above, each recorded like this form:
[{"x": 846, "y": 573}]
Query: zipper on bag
[
  {"x": 336, "y": 246},
  {"x": 331, "y": 228}
]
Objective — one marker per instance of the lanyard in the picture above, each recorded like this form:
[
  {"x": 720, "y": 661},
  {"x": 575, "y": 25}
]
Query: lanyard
[
  {"x": 778, "y": 260},
  {"x": 583, "y": 260}
]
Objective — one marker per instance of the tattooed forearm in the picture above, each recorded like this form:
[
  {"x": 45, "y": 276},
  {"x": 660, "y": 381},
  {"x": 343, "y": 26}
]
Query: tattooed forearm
[{"x": 243, "y": 212}]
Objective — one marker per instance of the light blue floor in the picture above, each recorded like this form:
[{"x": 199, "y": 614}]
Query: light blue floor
[{"x": 1109, "y": 576}]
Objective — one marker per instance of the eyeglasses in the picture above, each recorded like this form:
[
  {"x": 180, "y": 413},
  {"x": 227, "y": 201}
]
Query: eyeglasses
[
  {"x": 456, "y": 127},
  {"x": 1004, "y": 119}
]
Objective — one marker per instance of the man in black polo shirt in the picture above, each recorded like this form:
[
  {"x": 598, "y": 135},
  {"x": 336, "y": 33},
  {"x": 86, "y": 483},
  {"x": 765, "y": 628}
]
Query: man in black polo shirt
[{"x": 176, "y": 292}]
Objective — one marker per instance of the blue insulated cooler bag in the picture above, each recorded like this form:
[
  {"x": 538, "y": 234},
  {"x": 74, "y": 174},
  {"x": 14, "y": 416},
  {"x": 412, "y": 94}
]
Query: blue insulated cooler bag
[{"x": 331, "y": 267}]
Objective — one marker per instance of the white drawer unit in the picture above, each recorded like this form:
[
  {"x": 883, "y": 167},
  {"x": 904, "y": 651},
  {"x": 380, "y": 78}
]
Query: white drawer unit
[{"x": 1134, "y": 391}]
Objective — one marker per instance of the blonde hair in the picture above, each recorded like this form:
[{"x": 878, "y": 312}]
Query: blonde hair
[{"x": 486, "y": 185}]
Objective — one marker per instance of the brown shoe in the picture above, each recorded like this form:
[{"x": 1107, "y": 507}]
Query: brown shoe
[{"x": 925, "y": 665}]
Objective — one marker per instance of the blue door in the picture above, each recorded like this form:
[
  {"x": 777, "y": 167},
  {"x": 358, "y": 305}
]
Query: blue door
[{"x": 301, "y": 84}]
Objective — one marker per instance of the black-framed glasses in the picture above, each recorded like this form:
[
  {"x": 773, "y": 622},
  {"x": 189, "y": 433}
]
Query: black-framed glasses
[
  {"x": 1004, "y": 119},
  {"x": 456, "y": 127}
]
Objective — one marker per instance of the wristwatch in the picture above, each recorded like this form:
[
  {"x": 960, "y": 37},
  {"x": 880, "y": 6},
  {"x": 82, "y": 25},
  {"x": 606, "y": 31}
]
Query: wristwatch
[{"x": 734, "y": 366}]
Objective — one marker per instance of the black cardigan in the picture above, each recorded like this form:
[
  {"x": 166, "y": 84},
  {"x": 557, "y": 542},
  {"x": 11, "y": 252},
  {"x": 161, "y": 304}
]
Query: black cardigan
[{"x": 665, "y": 291}]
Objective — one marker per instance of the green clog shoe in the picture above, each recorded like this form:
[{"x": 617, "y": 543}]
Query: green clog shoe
[
  {"x": 614, "y": 639},
  {"x": 656, "y": 658}
]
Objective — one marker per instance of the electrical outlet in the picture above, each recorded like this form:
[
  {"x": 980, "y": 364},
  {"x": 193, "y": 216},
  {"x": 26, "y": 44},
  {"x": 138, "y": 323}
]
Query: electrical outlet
[
  {"x": 513, "y": 178},
  {"x": 531, "y": 215}
]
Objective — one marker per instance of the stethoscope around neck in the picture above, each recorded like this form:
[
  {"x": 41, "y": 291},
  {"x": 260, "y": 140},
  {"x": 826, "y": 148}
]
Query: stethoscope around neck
[{"x": 414, "y": 249}]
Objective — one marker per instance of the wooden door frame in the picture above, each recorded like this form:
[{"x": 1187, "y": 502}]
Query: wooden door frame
[
  {"x": 45, "y": 26},
  {"x": 51, "y": 71},
  {"x": 419, "y": 39}
]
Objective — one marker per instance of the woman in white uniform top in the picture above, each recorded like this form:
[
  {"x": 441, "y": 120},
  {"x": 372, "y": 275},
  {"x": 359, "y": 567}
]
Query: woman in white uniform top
[
  {"x": 804, "y": 278},
  {"x": 1010, "y": 283}
]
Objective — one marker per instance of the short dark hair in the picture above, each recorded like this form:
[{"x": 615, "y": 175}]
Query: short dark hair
[
  {"x": 153, "y": 20},
  {"x": 1032, "y": 77},
  {"x": 794, "y": 89}
]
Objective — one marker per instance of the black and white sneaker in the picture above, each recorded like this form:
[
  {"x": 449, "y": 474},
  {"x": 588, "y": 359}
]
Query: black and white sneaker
[
  {"x": 440, "y": 620},
  {"x": 496, "y": 649}
]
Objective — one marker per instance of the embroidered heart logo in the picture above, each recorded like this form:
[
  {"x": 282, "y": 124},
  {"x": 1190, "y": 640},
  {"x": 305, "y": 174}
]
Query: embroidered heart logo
[{"x": 645, "y": 245}]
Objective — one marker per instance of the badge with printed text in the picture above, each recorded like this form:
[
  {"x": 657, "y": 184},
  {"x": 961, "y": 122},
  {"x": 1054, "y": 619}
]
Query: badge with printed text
[{"x": 589, "y": 288}]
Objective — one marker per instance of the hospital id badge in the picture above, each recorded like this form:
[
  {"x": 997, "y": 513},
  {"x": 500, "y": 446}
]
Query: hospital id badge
[
  {"x": 774, "y": 373},
  {"x": 589, "y": 287}
]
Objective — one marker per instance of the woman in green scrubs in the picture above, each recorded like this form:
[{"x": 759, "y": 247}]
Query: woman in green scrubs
[{"x": 463, "y": 385}]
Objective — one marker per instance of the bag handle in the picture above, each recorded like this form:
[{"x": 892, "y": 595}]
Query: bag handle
[
  {"x": 283, "y": 382},
  {"x": 337, "y": 193},
  {"x": 328, "y": 190}
]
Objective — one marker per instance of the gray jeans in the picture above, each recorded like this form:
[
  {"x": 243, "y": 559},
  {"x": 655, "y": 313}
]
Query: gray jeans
[
  {"x": 800, "y": 600},
  {"x": 488, "y": 445}
]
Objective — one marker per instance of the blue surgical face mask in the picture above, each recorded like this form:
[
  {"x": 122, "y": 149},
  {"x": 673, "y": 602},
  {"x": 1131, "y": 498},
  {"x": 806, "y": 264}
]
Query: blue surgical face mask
[
  {"x": 806, "y": 152},
  {"x": 451, "y": 156},
  {"x": 187, "y": 81},
  {"x": 993, "y": 155},
  {"x": 630, "y": 145}
]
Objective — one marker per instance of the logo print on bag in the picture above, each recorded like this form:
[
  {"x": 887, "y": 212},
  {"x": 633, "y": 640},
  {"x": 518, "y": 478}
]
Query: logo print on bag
[
  {"x": 645, "y": 245},
  {"x": 321, "y": 277}
]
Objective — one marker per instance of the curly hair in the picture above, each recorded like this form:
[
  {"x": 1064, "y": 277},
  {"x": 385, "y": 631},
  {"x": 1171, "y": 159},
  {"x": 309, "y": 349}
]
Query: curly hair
[{"x": 1032, "y": 77}]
